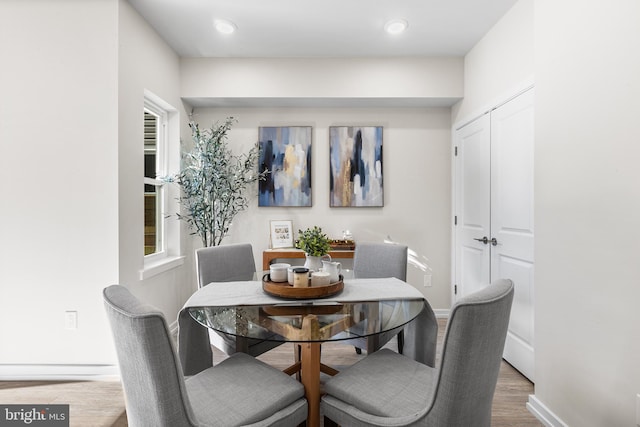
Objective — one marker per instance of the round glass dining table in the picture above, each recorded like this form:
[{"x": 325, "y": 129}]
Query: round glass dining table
[{"x": 309, "y": 324}]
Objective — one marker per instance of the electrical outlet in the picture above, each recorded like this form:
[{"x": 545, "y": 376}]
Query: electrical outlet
[
  {"x": 427, "y": 280},
  {"x": 71, "y": 320}
]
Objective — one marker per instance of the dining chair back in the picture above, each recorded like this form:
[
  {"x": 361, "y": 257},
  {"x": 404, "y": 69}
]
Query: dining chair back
[
  {"x": 226, "y": 263},
  {"x": 372, "y": 260},
  {"x": 386, "y": 388},
  {"x": 157, "y": 393},
  {"x": 151, "y": 377},
  {"x": 229, "y": 263},
  {"x": 378, "y": 260},
  {"x": 472, "y": 353}
]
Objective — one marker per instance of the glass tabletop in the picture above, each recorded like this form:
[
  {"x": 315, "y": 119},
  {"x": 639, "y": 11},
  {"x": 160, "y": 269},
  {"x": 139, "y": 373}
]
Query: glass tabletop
[{"x": 316, "y": 321}]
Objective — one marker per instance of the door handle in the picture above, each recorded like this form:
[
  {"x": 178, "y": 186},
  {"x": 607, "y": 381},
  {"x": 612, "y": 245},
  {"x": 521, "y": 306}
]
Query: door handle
[{"x": 485, "y": 240}]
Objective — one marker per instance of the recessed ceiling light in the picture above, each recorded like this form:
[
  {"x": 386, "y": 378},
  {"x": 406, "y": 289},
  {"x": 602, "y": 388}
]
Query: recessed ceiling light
[
  {"x": 223, "y": 26},
  {"x": 396, "y": 26}
]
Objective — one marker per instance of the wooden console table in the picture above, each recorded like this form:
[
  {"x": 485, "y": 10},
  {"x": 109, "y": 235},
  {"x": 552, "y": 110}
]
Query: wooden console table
[{"x": 271, "y": 254}]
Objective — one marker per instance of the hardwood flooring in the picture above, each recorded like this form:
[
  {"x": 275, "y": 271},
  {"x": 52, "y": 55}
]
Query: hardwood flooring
[{"x": 101, "y": 403}]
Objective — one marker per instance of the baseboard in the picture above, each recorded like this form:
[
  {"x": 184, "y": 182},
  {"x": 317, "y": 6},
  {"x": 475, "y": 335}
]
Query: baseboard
[
  {"x": 442, "y": 313},
  {"x": 59, "y": 373},
  {"x": 543, "y": 414}
]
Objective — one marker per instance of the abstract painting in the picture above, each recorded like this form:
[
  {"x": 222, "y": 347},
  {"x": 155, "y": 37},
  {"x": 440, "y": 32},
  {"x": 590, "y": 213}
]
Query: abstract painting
[
  {"x": 356, "y": 166},
  {"x": 286, "y": 153}
]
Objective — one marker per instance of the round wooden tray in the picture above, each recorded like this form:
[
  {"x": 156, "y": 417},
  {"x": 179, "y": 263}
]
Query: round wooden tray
[{"x": 285, "y": 290}]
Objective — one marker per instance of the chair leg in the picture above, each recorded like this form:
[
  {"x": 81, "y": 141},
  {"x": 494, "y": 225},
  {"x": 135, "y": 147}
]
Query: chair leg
[
  {"x": 400, "y": 341},
  {"x": 297, "y": 351}
]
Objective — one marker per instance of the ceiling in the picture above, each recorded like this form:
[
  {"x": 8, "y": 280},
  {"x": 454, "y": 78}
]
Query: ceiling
[{"x": 328, "y": 28}]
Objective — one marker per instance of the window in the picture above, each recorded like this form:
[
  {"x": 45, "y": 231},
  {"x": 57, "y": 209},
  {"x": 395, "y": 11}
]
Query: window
[
  {"x": 161, "y": 156},
  {"x": 154, "y": 189}
]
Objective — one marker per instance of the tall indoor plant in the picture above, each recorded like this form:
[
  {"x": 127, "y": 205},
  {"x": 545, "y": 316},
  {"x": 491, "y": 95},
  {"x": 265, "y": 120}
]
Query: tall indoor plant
[{"x": 214, "y": 181}]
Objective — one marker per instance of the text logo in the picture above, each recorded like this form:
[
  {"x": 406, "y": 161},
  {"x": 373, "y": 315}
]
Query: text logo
[{"x": 34, "y": 415}]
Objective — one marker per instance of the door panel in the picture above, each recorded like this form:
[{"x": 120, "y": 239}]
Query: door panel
[
  {"x": 512, "y": 220},
  {"x": 474, "y": 269},
  {"x": 473, "y": 208},
  {"x": 512, "y": 171},
  {"x": 521, "y": 273},
  {"x": 494, "y": 198}
]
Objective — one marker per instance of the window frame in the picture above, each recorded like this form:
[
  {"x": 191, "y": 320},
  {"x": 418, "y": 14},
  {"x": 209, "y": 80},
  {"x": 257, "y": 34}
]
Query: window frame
[
  {"x": 167, "y": 159},
  {"x": 161, "y": 170}
]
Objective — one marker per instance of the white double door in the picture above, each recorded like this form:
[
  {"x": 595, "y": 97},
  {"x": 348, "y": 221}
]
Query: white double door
[{"x": 493, "y": 208}]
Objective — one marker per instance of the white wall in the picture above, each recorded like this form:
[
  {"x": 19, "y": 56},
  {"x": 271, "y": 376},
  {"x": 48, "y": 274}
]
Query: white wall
[
  {"x": 417, "y": 184},
  {"x": 587, "y": 209},
  {"x": 145, "y": 63},
  {"x": 587, "y": 198},
  {"x": 58, "y": 179},
  {"x": 71, "y": 174},
  {"x": 499, "y": 65}
]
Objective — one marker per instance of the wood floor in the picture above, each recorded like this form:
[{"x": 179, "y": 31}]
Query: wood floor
[{"x": 101, "y": 403}]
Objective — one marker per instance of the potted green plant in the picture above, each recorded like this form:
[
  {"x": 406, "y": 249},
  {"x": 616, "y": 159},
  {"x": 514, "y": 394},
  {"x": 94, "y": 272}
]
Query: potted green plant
[
  {"x": 316, "y": 246},
  {"x": 214, "y": 182}
]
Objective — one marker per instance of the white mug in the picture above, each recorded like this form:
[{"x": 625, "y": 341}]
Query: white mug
[
  {"x": 278, "y": 272},
  {"x": 333, "y": 268},
  {"x": 290, "y": 275}
]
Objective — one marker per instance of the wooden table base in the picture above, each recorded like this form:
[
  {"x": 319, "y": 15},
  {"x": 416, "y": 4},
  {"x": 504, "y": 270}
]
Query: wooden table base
[
  {"x": 308, "y": 368},
  {"x": 310, "y": 377}
]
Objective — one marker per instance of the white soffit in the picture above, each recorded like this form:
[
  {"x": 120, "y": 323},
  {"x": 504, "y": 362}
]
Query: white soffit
[{"x": 200, "y": 102}]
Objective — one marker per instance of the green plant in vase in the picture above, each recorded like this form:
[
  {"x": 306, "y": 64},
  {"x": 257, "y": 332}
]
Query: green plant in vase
[{"x": 315, "y": 244}]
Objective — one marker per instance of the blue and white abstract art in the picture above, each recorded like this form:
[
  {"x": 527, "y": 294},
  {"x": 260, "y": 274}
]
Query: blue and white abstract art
[
  {"x": 286, "y": 153},
  {"x": 356, "y": 166}
]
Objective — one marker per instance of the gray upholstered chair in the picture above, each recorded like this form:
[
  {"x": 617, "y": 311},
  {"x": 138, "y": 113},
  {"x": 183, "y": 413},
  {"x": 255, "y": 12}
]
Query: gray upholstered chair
[
  {"x": 371, "y": 260},
  {"x": 238, "y": 391},
  {"x": 375, "y": 260},
  {"x": 386, "y": 388},
  {"x": 228, "y": 263}
]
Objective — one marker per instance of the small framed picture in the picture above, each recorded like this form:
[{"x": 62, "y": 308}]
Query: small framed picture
[{"x": 281, "y": 234}]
